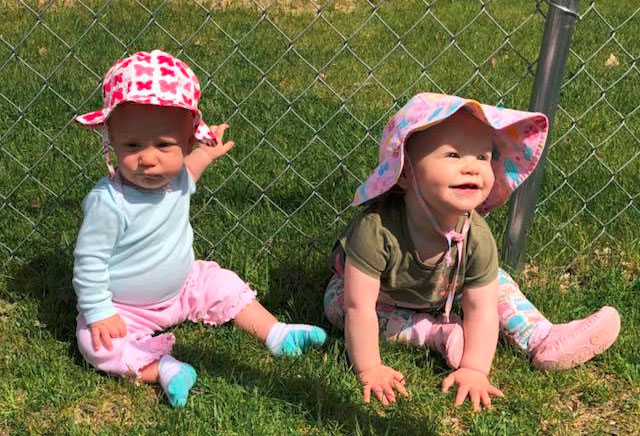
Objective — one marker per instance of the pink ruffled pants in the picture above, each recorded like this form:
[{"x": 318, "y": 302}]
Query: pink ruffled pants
[{"x": 210, "y": 294}]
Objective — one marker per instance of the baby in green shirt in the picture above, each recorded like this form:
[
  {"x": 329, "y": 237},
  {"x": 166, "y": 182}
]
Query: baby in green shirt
[{"x": 421, "y": 242}]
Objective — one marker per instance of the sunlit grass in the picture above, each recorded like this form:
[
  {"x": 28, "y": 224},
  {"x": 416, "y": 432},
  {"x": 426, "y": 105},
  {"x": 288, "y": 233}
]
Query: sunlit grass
[{"x": 307, "y": 100}]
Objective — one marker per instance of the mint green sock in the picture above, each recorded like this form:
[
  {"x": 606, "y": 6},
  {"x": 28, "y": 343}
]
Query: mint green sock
[
  {"x": 294, "y": 339},
  {"x": 176, "y": 378}
]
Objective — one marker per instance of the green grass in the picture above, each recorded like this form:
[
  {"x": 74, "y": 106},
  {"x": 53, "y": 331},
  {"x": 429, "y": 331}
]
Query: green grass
[{"x": 306, "y": 104}]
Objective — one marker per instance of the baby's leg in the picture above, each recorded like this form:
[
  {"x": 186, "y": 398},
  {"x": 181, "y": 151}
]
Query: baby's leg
[
  {"x": 552, "y": 346},
  {"x": 520, "y": 322},
  {"x": 217, "y": 295},
  {"x": 280, "y": 338},
  {"x": 139, "y": 355},
  {"x": 130, "y": 354},
  {"x": 403, "y": 325}
]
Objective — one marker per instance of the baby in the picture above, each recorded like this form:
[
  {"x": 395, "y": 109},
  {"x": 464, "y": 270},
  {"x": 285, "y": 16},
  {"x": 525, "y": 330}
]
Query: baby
[
  {"x": 134, "y": 272},
  {"x": 421, "y": 242}
]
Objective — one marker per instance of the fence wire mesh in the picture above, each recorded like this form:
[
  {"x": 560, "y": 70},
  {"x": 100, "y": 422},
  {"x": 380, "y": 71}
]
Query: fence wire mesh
[{"x": 307, "y": 87}]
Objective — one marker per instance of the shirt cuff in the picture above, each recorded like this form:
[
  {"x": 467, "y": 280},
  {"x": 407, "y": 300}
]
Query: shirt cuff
[{"x": 95, "y": 315}]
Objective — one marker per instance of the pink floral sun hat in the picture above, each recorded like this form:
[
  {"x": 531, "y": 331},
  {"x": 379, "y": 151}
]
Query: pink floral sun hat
[
  {"x": 153, "y": 78},
  {"x": 518, "y": 143}
]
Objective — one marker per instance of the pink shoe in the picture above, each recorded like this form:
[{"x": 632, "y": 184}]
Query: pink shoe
[
  {"x": 448, "y": 340},
  {"x": 569, "y": 345}
]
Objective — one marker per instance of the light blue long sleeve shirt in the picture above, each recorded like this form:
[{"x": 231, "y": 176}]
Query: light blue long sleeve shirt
[{"x": 134, "y": 245}]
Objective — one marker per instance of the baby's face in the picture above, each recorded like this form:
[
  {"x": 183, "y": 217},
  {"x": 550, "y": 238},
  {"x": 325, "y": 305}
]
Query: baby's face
[
  {"x": 452, "y": 163},
  {"x": 150, "y": 142}
]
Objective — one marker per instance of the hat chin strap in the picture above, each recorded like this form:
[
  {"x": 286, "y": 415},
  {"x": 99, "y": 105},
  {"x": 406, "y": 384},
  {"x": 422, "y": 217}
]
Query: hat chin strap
[
  {"x": 105, "y": 152},
  {"x": 451, "y": 236}
]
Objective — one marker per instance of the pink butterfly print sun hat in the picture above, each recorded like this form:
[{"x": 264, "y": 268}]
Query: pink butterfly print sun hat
[
  {"x": 518, "y": 143},
  {"x": 153, "y": 78}
]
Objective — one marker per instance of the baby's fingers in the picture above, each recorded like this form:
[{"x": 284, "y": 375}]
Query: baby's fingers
[
  {"x": 474, "y": 395},
  {"x": 221, "y": 147},
  {"x": 95, "y": 338},
  {"x": 218, "y": 130},
  {"x": 379, "y": 392},
  {"x": 106, "y": 339},
  {"x": 366, "y": 393},
  {"x": 495, "y": 391},
  {"x": 113, "y": 330},
  {"x": 122, "y": 330},
  {"x": 397, "y": 375},
  {"x": 224, "y": 148},
  {"x": 463, "y": 391},
  {"x": 399, "y": 386},
  {"x": 390, "y": 394},
  {"x": 486, "y": 399},
  {"x": 447, "y": 383}
]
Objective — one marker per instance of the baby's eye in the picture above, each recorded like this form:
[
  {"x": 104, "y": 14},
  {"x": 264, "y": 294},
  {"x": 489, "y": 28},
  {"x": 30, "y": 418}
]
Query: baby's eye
[
  {"x": 486, "y": 156},
  {"x": 453, "y": 154},
  {"x": 131, "y": 146},
  {"x": 164, "y": 145}
]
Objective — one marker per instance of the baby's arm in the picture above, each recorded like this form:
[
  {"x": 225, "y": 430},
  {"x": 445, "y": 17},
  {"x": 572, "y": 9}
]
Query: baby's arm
[
  {"x": 361, "y": 336},
  {"x": 199, "y": 159},
  {"x": 480, "y": 308},
  {"x": 97, "y": 236}
]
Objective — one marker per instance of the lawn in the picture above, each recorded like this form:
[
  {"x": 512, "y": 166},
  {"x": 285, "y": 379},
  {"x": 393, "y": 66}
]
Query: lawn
[{"x": 306, "y": 93}]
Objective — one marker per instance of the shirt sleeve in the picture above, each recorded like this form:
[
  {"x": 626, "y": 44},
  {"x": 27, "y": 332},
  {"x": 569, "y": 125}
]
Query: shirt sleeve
[
  {"x": 366, "y": 245},
  {"x": 185, "y": 181},
  {"x": 100, "y": 230},
  {"x": 482, "y": 255}
]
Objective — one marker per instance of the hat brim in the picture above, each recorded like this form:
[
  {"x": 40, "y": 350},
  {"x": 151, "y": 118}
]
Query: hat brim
[
  {"x": 98, "y": 119},
  {"x": 92, "y": 120}
]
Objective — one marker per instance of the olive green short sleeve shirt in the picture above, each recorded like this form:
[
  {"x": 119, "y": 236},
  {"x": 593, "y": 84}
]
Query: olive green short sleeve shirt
[{"x": 379, "y": 244}]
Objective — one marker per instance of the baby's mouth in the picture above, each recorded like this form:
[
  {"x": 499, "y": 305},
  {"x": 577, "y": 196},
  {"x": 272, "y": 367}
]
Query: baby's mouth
[{"x": 466, "y": 186}]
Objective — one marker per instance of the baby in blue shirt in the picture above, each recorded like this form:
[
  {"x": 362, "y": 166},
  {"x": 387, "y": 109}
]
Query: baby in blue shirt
[{"x": 135, "y": 273}]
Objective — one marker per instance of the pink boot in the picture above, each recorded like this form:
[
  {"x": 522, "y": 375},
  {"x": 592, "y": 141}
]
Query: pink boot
[
  {"x": 569, "y": 345},
  {"x": 423, "y": 330},
  {"x": 447, "y": 339}
]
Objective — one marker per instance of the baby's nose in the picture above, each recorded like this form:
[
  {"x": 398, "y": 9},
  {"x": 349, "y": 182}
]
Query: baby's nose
[
  {"x": 471, "y": 167},
  {"x": 147, "y": 157}
]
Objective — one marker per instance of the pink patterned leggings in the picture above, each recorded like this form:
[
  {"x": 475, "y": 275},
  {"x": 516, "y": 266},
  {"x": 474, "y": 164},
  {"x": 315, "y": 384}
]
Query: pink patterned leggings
[{"x": 517, "y": 316}]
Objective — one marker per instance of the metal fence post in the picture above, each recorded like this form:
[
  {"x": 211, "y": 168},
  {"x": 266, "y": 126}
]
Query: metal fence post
[{"x": 561, "y": 18}]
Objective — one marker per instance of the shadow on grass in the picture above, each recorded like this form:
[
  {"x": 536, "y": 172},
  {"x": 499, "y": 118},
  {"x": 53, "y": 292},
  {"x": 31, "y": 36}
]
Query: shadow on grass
[
  {"x": 319, "y": 403},
  {"x": 296, "y": 290},
  {"x": 46, "y": 280}
]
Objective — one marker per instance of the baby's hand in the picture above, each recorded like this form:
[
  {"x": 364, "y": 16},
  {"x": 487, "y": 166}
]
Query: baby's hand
[
  {"x": 105, "y": 329},
  {"x": 221, "y": 148},
  {"x": 473, "y": 383},
  {"x": 382, "y": 381}
]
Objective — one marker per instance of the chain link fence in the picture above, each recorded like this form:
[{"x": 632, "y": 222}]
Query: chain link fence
[
  {"x": 601, "y": 135},
  {"x": 307, "y": 87}
]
